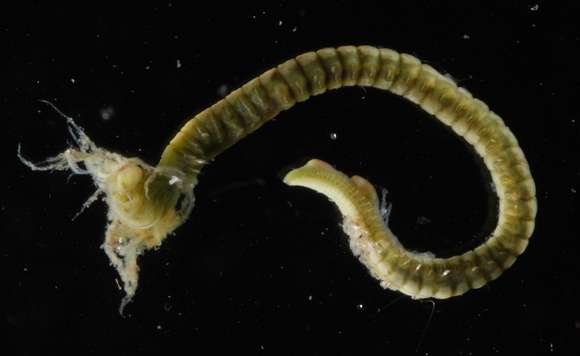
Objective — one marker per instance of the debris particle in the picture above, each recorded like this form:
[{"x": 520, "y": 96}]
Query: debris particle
[
  {"x": 466, "y": 36},
  {"x": 422, "y": 220},
  {"x": 535, "y": 7},
  {"x": 107, "y": 113},
  {"x": 178, "y": 64},
  {"x": 223, "y": 90},
  {"x": 333, "y": 136}
]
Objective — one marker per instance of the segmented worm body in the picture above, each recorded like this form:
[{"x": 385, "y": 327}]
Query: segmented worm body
[
  {"x": 313, "y": 73},
  {"x": 246, "y": 109}
]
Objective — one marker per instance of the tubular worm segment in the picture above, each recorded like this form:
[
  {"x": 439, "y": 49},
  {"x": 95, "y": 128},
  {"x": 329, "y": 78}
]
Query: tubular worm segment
[{"x": 150, "y": 212}]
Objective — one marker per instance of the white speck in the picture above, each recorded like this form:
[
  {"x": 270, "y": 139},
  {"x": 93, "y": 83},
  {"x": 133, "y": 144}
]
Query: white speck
[
  {"x": 535, "y": 7},
  {"x": 423, "y": 220},
  {"x": 147, "y": 67},
  {"x": 310, "y": 298},
  {"x": 159, "y": 327},
  {"x": 573, "y": 190},
  {"x": 223, "y": 90},
  {"x": 294, "y": 29},
  {"x": 25, "y": 269},
  {"x": 253, "y": 17},
  {"x": 167, "y": 306},
  {"x": 72, "y": 80},
  {"x": 333, "y": 136},
  {"x": 178, "y": 63},
  {"x": 551, "y": 347},
  {"x": 360, "y": 307},
  {"x": 107, "y": 113},
  {"x": 174, "y": 180},
  {"x": 446, "y": 272},
  {"x": 466, "y": 36},
  {"x": 280, "y": 23},
  {"x": 533, "y": 25},
  {"x": 262, "y": 347}
]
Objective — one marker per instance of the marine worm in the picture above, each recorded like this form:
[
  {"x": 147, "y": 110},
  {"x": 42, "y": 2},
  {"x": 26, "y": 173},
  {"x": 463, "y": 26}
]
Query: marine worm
[{"x": 147, "y": 203}]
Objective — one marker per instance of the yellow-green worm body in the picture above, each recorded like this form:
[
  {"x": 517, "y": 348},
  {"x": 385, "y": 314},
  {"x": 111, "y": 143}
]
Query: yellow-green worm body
[
  {"x": 145, "y": 206},
  {"x": 419, "y": 275}
]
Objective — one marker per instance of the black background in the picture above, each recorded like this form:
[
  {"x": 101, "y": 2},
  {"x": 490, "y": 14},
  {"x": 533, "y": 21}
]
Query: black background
[{"x": 261, "y": 268}]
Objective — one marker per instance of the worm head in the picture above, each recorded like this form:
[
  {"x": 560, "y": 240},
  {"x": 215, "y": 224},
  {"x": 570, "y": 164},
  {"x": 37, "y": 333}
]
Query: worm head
[
  {"x": 143, "y": 210},
  {"x": 145, "y": 203}
]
